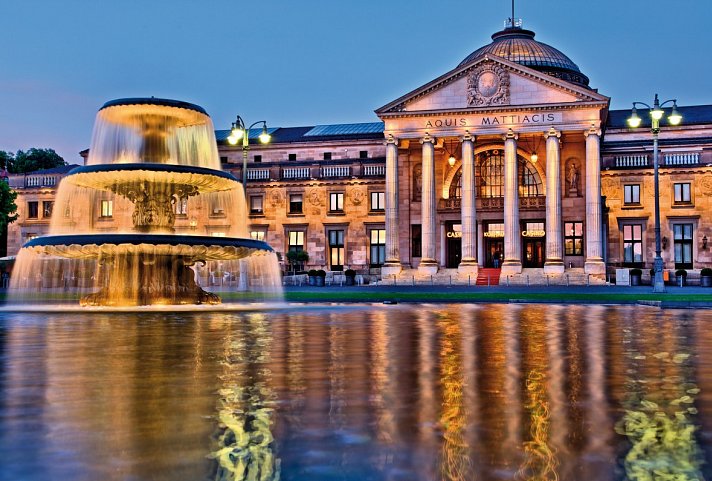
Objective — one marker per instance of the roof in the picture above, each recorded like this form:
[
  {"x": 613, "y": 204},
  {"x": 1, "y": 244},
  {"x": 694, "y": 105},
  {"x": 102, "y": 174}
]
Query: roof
[
  {"x": 316, "y": 133},
  {"x": 518, "y": 45},
  {"x": 62, "y": 169},
  {"x": 691, "y": 115}
]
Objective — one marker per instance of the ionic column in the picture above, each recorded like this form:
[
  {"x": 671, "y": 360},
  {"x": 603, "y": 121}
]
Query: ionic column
[
  {"x": 554, "y": 250},
  {"x": 428, "y": 264},
  {"x": 392, "y": 266},
  {"x": 512, "y": 243},
  {"x": 468, "y": 263},
  {"x": 594, "y": 252}
]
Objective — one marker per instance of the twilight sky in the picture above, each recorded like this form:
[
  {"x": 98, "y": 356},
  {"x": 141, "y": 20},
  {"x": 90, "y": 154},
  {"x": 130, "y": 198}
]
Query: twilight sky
[{"x": 312, "y": 62}]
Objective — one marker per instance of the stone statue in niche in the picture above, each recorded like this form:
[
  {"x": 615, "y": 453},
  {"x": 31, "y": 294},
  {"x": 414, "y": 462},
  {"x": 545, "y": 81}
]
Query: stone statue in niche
[
  {"x": 572, "y": 179},
  {"x": 417, "y": 182}
]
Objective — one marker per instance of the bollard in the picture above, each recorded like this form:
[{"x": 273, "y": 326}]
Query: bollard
[
  {"x": 468, "y": 281},
  {"x": 527, "y": 280},
  {"x": 488, "y": 280},
  {"x": 451, "y": 281},
  {"x": 588, "y": 279},
  {"x": 567, "y": 280},
  {"x": 547, "y": 280},
  {"x": 394, "y": 280},
  {"x": 507, "y": 281},
  {"x": 431, "y": 280},
  {"x": 413, "y": 281}
]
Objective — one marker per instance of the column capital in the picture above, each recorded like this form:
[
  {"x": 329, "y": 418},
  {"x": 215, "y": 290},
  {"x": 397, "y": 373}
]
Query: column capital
[
  {"x": 510, "y": 135},
  {"x": 391, "y": 140},
  {"x": 593, "y": 131},
  {"x": 468, "y": 137},
  {"x": 552, "y": 132},
  {"x": 428, "y": 139}
]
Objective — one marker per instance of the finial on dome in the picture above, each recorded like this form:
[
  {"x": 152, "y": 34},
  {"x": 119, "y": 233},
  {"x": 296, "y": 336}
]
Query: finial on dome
[{"x": 513, "y": 22}]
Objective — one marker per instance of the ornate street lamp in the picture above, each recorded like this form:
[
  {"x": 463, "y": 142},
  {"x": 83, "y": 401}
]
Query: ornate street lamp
[
  {"x": 656, "y": 113},
  {"x": 240, "y": 132}
]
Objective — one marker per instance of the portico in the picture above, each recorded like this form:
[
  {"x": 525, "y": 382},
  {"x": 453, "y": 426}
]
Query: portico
[{"x": 526, "y": 165}]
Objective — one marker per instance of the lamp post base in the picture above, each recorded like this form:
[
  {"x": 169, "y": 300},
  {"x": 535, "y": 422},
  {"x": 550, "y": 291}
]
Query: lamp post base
[{"x": 658, "y": 281}]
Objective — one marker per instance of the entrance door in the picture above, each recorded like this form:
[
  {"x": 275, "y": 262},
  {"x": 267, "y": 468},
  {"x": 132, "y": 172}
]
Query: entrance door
[
  {"x": 454, "y": 251},
  {"x": 494, "y": 251},
  {"x": 533, "y": 252}
]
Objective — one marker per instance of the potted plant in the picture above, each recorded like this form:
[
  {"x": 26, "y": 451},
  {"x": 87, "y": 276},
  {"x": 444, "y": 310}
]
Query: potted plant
[
  {"x": 706, "y": 277},
  {"x": 297, "y": 259},
  {"x": 312, "y": 277},
  {"x": 681, "y": 277},
  {"x": 635, "y": 276},
  {"x": 320, "y": 276},
  {"x": 350, "y": 276}
]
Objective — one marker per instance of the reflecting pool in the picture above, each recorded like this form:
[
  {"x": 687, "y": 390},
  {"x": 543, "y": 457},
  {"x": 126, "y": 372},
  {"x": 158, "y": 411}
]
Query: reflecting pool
[{"x": 406, "y": 392}]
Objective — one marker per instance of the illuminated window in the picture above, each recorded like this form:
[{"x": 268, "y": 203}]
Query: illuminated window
[
  {"x": 631, "y": 194},
  {"x": 181, "y": 206},
  {"x": 256, "y": 204},
  {"x": 490, "y": 178},
  {"x": 336, "y": 249},
  {"x": 107, "y": 208},
  {"x": 295, "y": 203},
  {"x": 378, "y": 247},
  {"x": 683, "y": 193},
  {"x": 378, "y": 201},
  {"x": 257, "y": 235},
  {"x": 47, "y": 208},
  {"x": 336, "y": 202},
  {"x": 682, "y": 234},
  {"x": 32, "y": 210},
  {"x": 296, "y": 241},
  {"x": 573, "y": 238},
  {"x": 633, "y": 244},
  {"x": 218, "y": 234}
]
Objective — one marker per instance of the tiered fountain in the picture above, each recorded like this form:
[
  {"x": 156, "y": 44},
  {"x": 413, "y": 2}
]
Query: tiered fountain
[{"x": 149, "y": 219}]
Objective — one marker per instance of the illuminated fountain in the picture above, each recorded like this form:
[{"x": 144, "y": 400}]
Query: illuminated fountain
[{"x": 149, "y": 219}]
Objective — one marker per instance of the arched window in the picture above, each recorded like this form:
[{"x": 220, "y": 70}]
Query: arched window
[{"x": 489, "y": 178}]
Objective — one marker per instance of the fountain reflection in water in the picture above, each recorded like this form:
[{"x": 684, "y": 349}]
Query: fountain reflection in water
[{"x": 151, "y": 219}]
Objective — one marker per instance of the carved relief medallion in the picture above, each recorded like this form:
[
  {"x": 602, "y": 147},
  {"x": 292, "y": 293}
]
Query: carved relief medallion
[
  {"x": 314, "y": 197},
  {"x": 275, "y": 198},
  {"x": 356, "y": 196},
  {"x": 488, "y": 84},
  {"x": 706, "y": 185},
  {"x": 611, "y": 189}
]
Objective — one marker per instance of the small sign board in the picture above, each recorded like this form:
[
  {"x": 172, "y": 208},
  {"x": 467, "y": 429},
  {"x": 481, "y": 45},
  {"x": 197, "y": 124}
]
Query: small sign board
[{"x": 622, "y": 277}]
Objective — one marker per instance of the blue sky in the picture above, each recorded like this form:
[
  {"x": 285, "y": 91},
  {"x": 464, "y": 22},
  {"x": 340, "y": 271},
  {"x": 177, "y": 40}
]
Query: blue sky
[{"x": 312, "y": 61}]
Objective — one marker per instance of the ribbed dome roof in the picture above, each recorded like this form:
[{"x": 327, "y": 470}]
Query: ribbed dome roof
[{"x": 518, "y": 45}]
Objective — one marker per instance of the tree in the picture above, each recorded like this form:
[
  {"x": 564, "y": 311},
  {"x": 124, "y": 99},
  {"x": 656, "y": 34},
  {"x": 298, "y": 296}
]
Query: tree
[
  {"x": 8, "y": 208},
  {"x": 35, "y": 159},
  {"x": 6, "y": 159}
]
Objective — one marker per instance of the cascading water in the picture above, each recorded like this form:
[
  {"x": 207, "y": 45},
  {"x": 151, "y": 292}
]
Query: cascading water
[{"x": 151, "y": 219}]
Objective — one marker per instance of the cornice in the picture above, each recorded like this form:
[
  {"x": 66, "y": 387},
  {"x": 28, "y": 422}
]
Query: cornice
[{"x": 495, "y": 110}]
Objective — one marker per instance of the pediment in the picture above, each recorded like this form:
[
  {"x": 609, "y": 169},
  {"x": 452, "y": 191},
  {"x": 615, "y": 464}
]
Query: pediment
[{"x": 490, "y": 82}]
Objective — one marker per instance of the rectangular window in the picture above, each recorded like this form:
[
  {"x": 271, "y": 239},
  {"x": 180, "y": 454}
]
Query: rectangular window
[
  {"x": 33, "y": 210},
  {"x": 336, "y": 202},
  {"x": 336, "y": 249},
  {"x": 181, "y": 206},
  {"x": 257, "y": 235},
  {"x": 682, "y": 193},
  {"x": 47, "y": 208},
  {"x": 107, "y": 208},
  {"x": 292, "y": 157},
  {"x": 378, "y": 247},
  {"x": 218, "y": 210},
  {"x": 257, "y": 158},
  {"x": 573, "y": 238},
  {"x": 416, "y": 240},
  {"x": 363, "y": 154},
  {"x": 296, "y": 241},
  {"x": 378, "y": 201},
  {"x": 256, "y": 204},
  {"x": 218, "y": 234},
  {"x": 327, "y": 155},
  {"x": 683, "y": 245},
  {"x": 631, "y": 194},
  {"x": 295, "y": 203},
  {"x": 633, "y": 244}
]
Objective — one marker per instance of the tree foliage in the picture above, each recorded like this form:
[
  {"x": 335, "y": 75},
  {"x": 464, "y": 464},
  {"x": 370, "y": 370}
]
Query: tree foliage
[
  {"x": 8, "y": 208},
  {"x": 31, "y": 160}
]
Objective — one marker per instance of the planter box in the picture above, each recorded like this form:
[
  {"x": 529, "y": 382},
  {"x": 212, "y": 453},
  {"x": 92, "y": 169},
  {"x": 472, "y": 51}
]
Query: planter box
[
  {"x": 706, "y": 281},
  {"x": 320, "y": 281},
  {"x": 351, "y": 280},
  {"x": 635, "y": 280},
  {"x": 312, "y": 280}
]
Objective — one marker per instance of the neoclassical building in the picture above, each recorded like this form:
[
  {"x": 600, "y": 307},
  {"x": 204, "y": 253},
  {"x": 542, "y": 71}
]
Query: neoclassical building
[{"x": 509, "y": 161}]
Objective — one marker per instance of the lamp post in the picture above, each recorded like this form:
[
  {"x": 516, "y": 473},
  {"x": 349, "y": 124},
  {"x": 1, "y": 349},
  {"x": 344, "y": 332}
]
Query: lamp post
[
  {"x": 240, "y": 132},
  {"x": 656, "y": 113}
]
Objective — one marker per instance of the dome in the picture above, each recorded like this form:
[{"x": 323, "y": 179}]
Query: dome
[{"x": 518, "y": 45}]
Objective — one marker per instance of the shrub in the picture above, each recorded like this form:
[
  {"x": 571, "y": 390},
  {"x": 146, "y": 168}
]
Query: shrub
[
  {"x": 352, "y": 273},
  {"x": 681, "y": 273},
  {"x": 321, "y": 273},
  {"x": 637, "y": 272},
  {"x": 312, "y": 273},
  {"x": 292, "y": 256},
  {"x": 302, "y": 256},
  {"x": 706, "y": 272}
]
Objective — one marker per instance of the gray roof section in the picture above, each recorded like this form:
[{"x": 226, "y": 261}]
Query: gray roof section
[
  {"x": 318, "y": 133},
  {"x": 691, "y": 115}
]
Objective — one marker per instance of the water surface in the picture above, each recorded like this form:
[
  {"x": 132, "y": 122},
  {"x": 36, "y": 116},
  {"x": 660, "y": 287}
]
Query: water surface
[{"x": 459, "y": 392}]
